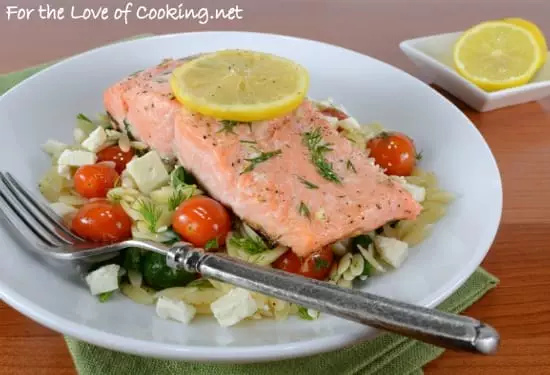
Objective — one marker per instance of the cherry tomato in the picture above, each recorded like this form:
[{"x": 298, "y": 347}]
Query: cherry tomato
[
  {"x": 116, "y": 155},
  {"x": 200, "y": 220},
  {"x": 334, "y": 112},
  {"x": 315, "y": 266},
  {"x": 395, "y": 152},
  {"x": 94, "y": 181},
  {"x": 288, "y": 262},
  {"x": 102, "y": 221}
]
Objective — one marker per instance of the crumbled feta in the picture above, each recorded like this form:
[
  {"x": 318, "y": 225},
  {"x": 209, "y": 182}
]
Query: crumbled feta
[
  {"x": 64, "y": 171},
  {"x": 168, "y": 308},
  {"x": 148, "y": 172},
  {"x": 233, "y": 307},
  {"x": 348, "y": 123},
  {"x": 392, "y": 250},
  {"x": 96, "y": 140},
  {"x": 62, "y": 209},
  {"x": 104, "y": 279},
  {"x": 53, "y": 147},
  {"x": 418, "y": 192},
  {"x": 76, "y": 158}
]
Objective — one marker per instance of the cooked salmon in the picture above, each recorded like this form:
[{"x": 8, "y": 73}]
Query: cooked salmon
[{"x": 294, "y": 178}]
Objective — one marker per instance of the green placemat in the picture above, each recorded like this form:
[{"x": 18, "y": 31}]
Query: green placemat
[{"x": 387, "y": 355}]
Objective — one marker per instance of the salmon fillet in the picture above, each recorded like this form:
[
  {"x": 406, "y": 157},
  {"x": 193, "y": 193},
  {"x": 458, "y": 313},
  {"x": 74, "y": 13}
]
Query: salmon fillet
[{"x": 264, "y": 171}]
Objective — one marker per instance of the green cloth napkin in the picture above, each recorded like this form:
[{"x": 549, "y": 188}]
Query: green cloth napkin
[{"x": 388, "y": 354}]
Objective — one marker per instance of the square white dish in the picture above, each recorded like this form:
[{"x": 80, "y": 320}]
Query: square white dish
[{"x": 433, "y": 55}]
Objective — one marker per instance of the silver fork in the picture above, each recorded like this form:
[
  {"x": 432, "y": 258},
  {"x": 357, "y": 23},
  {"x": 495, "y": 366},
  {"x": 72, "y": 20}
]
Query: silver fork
[{"x": 44, "y": 232}]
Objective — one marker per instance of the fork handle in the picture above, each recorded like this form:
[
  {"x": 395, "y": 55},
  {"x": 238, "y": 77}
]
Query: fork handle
[{"x": 424, "y": 324}]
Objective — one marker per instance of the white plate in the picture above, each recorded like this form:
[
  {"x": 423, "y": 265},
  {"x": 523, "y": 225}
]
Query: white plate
[
  {"x": 45, "y": 106},
  {"x": 434, "y": 56}
]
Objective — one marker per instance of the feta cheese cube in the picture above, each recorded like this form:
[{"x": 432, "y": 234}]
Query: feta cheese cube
[
  {"x": 418, "y": 192},
  {"x": 76, "y": 158},
  {"x": 148, "y": 172},
  {"x": 96, "y": 140},
  {"x": 64, "y": 171},
  {"x": 392, "y": 250},
  {"x": 233, "y": 307},
  {"x": 62, "y": 209},
  {"x": 168, "y": 308},
  {"x": 104, "y": 279}
]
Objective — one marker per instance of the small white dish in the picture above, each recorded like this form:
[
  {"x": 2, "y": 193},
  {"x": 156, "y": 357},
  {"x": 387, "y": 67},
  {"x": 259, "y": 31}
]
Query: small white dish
[
  {"x": 45, "y": 105},
  {"x": 434, "y": 56}
]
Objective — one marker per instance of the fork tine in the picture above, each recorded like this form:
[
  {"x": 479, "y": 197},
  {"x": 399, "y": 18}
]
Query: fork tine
[
  {"x": 21, "y": 209},
  {"x": 50, "y": 216},
  {"x": 21, "y": 227}
]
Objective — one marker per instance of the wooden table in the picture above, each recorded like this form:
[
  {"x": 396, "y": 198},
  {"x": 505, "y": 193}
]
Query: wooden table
[{"x": 519, "y": 137}]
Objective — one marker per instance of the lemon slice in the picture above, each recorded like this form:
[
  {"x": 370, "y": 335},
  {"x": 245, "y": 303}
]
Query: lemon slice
[
  {"x": 497, "y": 55},
  {"x": 240, "y": 85},
  {"x": 536, "y": 32}
]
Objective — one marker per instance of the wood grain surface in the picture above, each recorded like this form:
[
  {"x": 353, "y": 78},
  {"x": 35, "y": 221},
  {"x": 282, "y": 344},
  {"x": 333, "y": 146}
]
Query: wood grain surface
[{"x": 518, "y": 136}]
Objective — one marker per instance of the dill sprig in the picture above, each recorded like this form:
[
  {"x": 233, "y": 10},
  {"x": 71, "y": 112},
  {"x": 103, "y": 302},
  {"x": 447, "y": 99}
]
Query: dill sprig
[
  {"x": 179, "y": 195},
  {"x": 317, "y": 148},
  {"x": 321, "y": 263},
  {"x": 228, "y": 126},
  {"x": 250, "y": 245},
  {"x": 264, "y": 156},
  {"x": 350, "y": 166},
  {"x": 212, "y": 244},
  {"x": 304, "y": 210},
  {"x": 309, "y": 185},
  {"x": 151, "y": 214}
]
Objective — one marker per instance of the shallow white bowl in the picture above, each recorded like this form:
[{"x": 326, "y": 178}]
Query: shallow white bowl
[
  {"x": 434, "y": 56},
  {"x": 45, "y": 105}
]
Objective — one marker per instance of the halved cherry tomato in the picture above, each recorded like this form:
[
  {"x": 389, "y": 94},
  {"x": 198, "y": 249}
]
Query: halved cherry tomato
[
  {"x": 94, "y": 181},
  {"x": 102, "y": 221},
  {"x": 395, "y": 152},
  {"x": 334, "y": 112},
  {"x": 315, "y": 266},
  {"x": 200, "y": 220},
  {"x": 116, "y": 155}
]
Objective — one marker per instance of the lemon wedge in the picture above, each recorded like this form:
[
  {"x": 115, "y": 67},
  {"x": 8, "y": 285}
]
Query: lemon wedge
[
  {"x": 536, "y": 32},
  {"x": 240, "y": 85},
  {"x": 497, "y": 55}
]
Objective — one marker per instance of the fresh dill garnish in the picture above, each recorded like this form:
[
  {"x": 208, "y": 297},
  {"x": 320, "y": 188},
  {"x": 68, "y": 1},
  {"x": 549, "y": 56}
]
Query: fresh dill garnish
[
  {"x": 320, "y": 264},
  {"x": 179, "y": 195},
  {"x": 250, "y": 245},
  {"x": 304, "y": 210},
  {"x": 350, "y": 166},
  {"x": 212, "y": 244},
  {"x": 247, "y": 141},
  {"x": 228, "y": 126},
  {"x": 104, "y": 297},
  {"x": 317, "y": 148},
  {"x": 151, "y": 214},
  {"x": 83, "y": 117},
  {"x": 303, "y": 314},
  {"x": 308, "y": 184},
  {"x": 264, "y": 156}
]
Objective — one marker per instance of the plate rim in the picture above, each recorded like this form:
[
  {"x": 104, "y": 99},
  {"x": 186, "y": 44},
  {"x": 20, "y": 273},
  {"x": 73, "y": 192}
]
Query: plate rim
[{"x": 242, "y": 354}]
